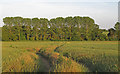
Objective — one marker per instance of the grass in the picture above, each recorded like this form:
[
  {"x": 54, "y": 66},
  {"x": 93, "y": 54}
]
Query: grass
[
  {"x": 99, "y": 56},
  {"x": 62, "y": 56},
  {"x": 21, "y": 56}
]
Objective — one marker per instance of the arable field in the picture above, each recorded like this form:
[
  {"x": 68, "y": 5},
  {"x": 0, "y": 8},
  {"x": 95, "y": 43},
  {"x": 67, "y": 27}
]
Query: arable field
[{"x": 60, "y": 56}]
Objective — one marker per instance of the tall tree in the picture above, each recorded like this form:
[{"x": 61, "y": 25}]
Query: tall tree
[
  {"x": 88, "y": 24},
  {"x": 5, "y": 33},
  {"x": 9, "y": 22},
  {"x": 111, "y": 34},
  {"x": 52, "y": 25},
  {"x": 27, "y": 24},
  {"x": 18, "y": 22},
  {"x": 69, "y": 28},
  {"x": 36, "y": 26},
  {"x": 69, "y": 23},
  {"x": 77, "y": 20},
  {"x": 60, "y": 27},
  {"x": 44, "y": 27},
  {"x": 117, "y": 28}
]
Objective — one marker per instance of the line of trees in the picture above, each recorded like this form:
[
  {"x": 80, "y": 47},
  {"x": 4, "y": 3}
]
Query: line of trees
[{"x": 70, "y": 28}]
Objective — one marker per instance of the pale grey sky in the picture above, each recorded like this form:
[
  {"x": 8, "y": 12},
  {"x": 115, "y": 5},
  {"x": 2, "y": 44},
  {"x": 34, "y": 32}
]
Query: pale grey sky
[{"x": 105, "y": 13}]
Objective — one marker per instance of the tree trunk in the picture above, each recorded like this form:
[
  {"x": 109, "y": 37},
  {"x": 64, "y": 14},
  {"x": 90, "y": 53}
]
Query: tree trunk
[
  {"x": 27, "y": 36},
  {"x": 50, "y": 36},
  {"x": 19, "y": 35},
  {"x": 70, "y": 33},
  {"x": 87, "y": 32},
  {"x": 44, "y": 36},
  {"x": 36, "y": 36},
  {"x": 10, "y": 33}
]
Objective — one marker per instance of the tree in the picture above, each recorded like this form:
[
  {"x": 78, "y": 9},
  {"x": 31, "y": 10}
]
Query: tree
[
  {"x": 52, "y": 24},
  {"x": 36, "y": 26},
  {"x": 88, "y": 25},
  {"x": 69, "y": 24},
  {"x": 18, "y": 22},
  {"x": 9, "y": 22},
  {"x": 117, "y": 28},
  {"x": 69, "y": 28},
  {"x": 44, "y": 27},
  {"x": 27, "y": 24},
  {"x": 60, "y": 27},
  {"x": 77, "y": 20},
  {"x": 111, "y": 34},
  {"x": 5, "y": 33}
]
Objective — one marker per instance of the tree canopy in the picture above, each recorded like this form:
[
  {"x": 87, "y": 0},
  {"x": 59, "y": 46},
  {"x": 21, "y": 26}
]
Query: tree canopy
[{"x": 70, "y": 29}]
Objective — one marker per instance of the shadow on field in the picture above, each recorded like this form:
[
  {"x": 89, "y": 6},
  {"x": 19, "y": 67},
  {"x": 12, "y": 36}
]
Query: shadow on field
[
  {"x": 99, "y": 63},
  {"x": 93, "y": 67},
  {"x": 44, "y": 64}
]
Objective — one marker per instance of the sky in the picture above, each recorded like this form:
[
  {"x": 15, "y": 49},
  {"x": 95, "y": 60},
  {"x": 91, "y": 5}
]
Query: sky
[{"x": 104, "y": 12}]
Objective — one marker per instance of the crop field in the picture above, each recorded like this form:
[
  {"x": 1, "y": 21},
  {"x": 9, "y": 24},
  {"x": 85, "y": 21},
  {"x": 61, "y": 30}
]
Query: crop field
[{"x": 60, "y": 56}]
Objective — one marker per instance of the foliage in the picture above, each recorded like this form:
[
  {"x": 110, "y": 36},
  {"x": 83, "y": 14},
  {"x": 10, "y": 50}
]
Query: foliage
[{"x": 57, "y": 29}]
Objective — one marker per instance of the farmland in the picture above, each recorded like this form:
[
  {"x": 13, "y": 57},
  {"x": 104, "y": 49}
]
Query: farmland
[{"x": 60, "y": 56}]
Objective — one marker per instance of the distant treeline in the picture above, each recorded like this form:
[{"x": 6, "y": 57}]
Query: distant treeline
[{"x": 70, "y": 28}]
